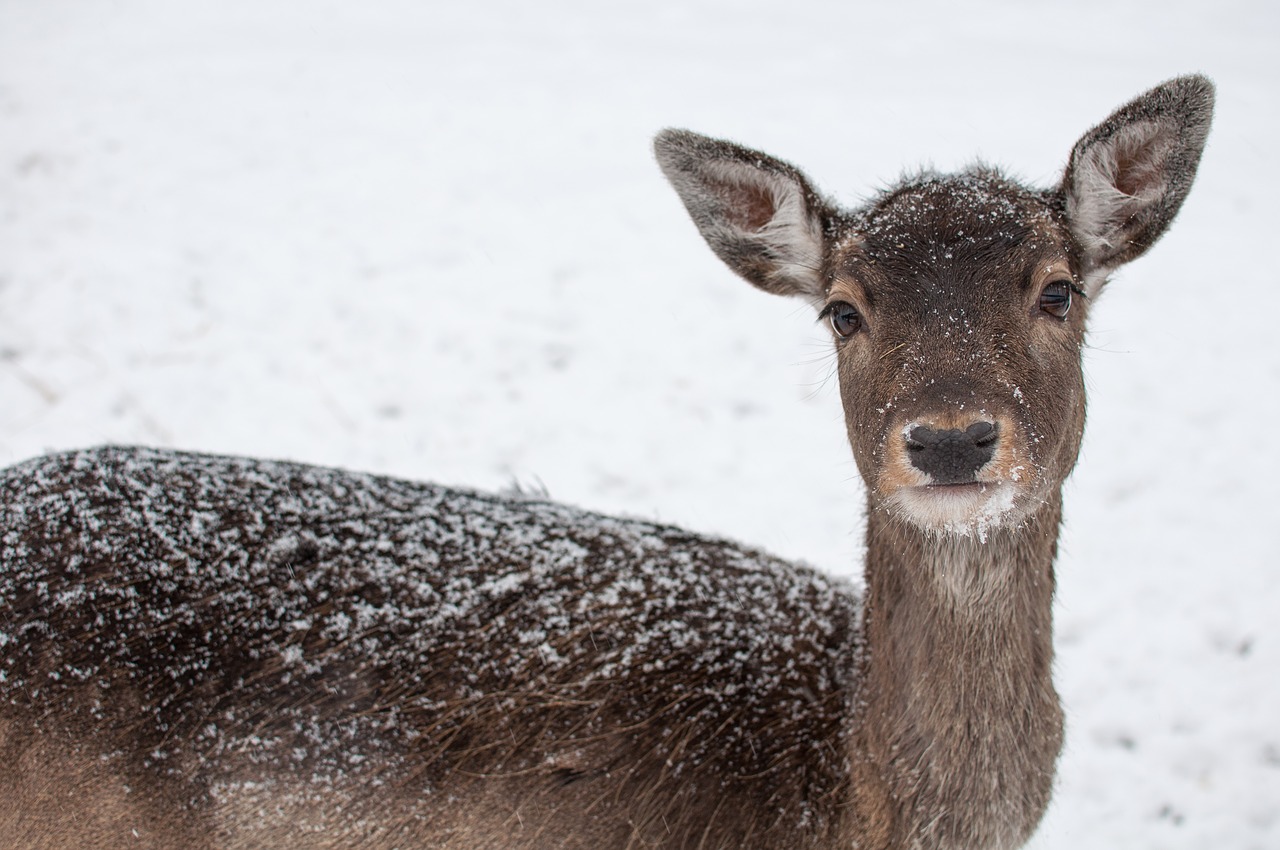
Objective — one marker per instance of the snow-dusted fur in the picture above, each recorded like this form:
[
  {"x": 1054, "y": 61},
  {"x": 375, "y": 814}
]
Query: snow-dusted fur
[
  {"x": 326, "y": 658},
  {"x": 207, "y": 652}
]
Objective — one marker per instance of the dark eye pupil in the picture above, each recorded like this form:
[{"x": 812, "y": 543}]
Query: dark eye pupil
[
  {"x": 1056, "y": 299},
  {"x": 845, "y": 320}
]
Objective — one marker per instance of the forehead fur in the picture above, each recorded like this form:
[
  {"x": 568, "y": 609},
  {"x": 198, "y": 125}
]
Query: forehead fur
[{"x": 931, "y": 223}]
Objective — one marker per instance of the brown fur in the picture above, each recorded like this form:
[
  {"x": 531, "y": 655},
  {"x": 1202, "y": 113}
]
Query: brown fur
[{"x": 206, "y": 652}]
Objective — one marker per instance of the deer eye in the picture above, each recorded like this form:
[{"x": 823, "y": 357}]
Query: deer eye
[
  {"x": 844, "y": 318},
  {"x": 1055, "y": 298}
]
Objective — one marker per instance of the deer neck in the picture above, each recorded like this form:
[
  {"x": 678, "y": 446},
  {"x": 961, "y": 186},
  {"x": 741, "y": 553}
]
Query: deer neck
[{"x": 959, "y": 725}]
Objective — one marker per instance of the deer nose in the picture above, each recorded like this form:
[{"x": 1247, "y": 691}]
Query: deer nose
[{"x": 952, "y": 456}]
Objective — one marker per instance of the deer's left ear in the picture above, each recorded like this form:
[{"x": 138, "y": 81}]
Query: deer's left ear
[
  {"x": 1129, "y": 175},
  {"x": 759, "y": 214}
]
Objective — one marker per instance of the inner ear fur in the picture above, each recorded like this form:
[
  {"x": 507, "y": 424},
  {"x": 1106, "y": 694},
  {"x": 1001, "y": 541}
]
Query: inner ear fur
[
  {"x": 1128, "y": 176},
  {"x": 760, "y": 215}
]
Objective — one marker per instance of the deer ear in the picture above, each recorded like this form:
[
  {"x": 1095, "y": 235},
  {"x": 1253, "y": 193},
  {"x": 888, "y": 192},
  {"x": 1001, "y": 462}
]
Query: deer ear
[
  {"x": 760, "y": 215},
  {"x": 1129, "y": 175}
]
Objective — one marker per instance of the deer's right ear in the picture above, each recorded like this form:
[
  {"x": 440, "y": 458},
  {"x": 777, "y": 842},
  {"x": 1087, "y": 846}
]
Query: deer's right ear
[
  {"x": 1129, "y": 175},
  {"x": 760, "y": 215}
]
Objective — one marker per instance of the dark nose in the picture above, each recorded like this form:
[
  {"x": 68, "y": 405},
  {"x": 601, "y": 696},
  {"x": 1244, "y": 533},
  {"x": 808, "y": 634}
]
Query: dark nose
[{"x": 952, "y": 456}]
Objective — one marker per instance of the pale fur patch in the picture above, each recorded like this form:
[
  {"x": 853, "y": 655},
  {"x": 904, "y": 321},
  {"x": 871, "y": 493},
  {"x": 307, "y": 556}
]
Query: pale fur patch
[
  {"x": 1096, "y": 206},
  {"x": 792, "y": 235},
  {"x": 969, "y": 511},
  {"x": 968, "y": 571}
]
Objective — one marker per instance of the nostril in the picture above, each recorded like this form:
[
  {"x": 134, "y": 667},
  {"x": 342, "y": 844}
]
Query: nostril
[
  {"x": 922, "y": 437},
  {"x": 982, "y": 433}
]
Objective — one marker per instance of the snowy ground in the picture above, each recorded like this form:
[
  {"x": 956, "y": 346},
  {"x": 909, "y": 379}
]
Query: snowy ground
[{"x": 429, "y": 239}]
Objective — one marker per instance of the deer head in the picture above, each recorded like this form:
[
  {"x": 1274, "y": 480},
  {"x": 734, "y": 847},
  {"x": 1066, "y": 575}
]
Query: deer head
[{"x": 957, "y": 302}]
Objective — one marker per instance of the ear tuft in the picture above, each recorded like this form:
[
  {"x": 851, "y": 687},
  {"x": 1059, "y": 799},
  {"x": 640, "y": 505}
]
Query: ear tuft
[
  {"x": 1127, "y": 177},
  {"x": 760, "y": 215}
]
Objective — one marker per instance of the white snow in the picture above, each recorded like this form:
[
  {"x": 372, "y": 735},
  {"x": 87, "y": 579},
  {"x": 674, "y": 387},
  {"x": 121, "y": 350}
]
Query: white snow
[{"x": 429, "y": 239}]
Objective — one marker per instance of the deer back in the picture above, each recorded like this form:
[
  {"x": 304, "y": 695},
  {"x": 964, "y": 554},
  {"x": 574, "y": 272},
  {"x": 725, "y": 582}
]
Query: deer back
[{"x": 347, "y": 652}]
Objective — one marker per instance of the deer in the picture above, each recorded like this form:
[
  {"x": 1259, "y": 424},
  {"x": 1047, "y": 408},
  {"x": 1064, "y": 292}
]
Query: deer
[{"x": 215, "y": 652}]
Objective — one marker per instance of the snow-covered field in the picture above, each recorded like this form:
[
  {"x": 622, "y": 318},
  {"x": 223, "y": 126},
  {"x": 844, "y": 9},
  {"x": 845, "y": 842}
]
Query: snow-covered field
[{"x": 428, "y": 239}]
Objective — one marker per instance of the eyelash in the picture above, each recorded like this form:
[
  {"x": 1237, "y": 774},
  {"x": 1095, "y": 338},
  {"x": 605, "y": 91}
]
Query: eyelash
[{"x": 853, "y": 315}]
